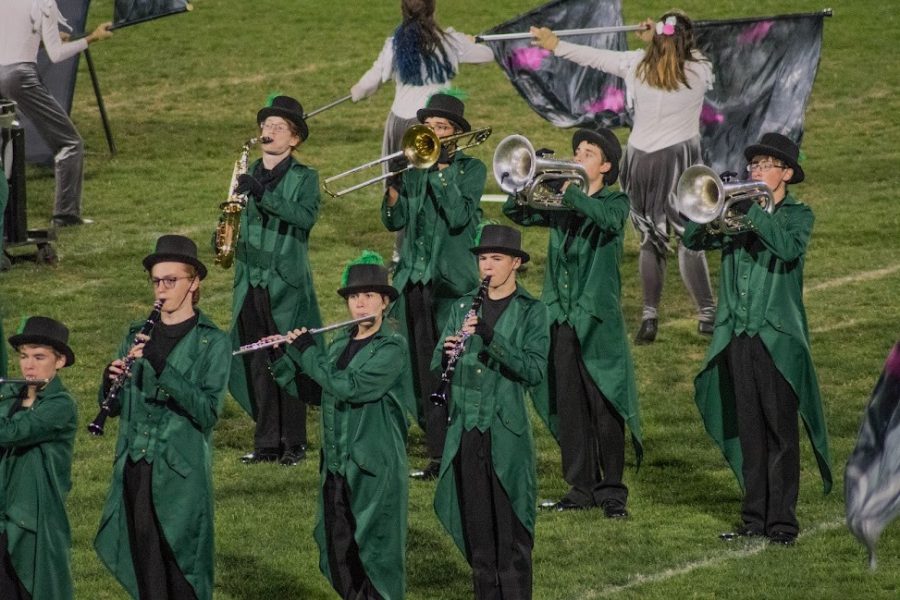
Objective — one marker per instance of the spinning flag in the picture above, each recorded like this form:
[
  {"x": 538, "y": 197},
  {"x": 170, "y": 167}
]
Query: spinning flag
[
  {"x": 564, "y": 93},
  {"x": 130, "y": 12},
  {"x": 872, "y": 477},
  {"x": 764, "y": 69}
]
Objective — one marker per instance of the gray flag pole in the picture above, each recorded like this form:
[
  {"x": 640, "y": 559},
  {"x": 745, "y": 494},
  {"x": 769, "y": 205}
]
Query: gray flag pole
[{"x": 107, "y": 130}]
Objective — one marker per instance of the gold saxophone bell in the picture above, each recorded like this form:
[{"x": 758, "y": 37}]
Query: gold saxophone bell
[
  {"x": 229, "y": 226},
  {"x": 521, "y": 172},
  {"x": 420, "y": 146},
  {"x": 703, "y": 197}
]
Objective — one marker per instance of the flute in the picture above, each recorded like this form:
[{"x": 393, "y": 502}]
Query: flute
[{"x": 281, "y": 339}]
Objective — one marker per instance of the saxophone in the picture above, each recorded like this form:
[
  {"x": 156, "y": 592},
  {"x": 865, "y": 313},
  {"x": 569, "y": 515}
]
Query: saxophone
[{"x": 229, "y": 226}]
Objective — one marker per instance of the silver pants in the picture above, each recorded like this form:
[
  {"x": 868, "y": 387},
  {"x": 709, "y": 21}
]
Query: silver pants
[{"x": 20, "y": 83}]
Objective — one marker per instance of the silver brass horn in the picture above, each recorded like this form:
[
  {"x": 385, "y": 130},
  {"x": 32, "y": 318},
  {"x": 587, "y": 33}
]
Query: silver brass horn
[
  {"x": 702, "y": 197},
  {"x": 520, "y": 172}
]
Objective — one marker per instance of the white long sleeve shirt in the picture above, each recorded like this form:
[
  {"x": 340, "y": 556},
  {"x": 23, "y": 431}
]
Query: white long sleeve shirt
[
  {"x": 662, "y": 118},
  {"x": 25, "y": 23},
  {"x": 410, "y": 98}
]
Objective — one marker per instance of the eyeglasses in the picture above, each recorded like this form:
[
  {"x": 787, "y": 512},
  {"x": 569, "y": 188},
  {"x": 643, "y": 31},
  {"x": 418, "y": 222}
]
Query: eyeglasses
[
  {"x": 764, "y": 165},
  {"x": 168, "y": 282},
  {"x": 274, "y": 127}
]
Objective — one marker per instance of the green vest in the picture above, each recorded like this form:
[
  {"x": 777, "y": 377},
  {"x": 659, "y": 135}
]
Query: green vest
[
  {"x": 761, "y": 293},
  {"x": 35, "y": 478}
]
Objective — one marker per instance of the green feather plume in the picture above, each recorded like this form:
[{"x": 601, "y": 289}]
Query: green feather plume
[
  {"x": 21, "y": 328},
  {"x": 481, "y": 228},
  {"x": 368, "y": 257},
  {"x": 271, "y": 98}
]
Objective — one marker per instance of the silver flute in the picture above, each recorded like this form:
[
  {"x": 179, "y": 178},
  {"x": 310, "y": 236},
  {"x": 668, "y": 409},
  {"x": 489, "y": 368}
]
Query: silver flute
[{"x": 281, "y": 339}]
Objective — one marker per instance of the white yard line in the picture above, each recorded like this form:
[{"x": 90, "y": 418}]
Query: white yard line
[{"x": 712, "y": 561}]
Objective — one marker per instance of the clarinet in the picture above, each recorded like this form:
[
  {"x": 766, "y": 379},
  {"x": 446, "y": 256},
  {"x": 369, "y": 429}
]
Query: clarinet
[
  {"x": 95, "y": 427},
  {"x": 441, "y": 395}
]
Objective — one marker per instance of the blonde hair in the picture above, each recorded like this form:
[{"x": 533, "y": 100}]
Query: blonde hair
[{"x": 663, "y": 63}]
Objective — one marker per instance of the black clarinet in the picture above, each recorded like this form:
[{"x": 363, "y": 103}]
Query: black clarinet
[
  {"x": 95, "y": 427},
  {"x": 441, "y": 395}
]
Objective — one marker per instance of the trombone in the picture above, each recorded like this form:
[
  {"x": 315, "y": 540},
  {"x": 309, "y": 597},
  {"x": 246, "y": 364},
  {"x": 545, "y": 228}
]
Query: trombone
[{"x": 420, "y": 146}]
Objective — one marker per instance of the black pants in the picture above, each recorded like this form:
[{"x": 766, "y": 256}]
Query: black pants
[
  {"x": 11, "y": 587},
  {"x": 280, "y": 417},
  {"x": 348, "y": 576},
  {"x": 591, "y": 431},
  {"x": 766, "y": 407},
  {"x": 498, "y": 546},
  {"x": 158, "y": 575},
  {"x": 423, "y": 334}
]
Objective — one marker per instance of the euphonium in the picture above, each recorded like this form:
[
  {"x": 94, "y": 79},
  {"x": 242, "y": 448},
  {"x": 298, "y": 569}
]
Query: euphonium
[{"x": 229, "y": 226}]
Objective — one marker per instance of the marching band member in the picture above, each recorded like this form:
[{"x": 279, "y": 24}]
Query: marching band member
[
  {"x": 156, "y": 532},
  {"x": 439, "y": 207},
  {"x": 361, "y": 523},
  {"x": 4, "y": 196},
  {"x": 273, "y": 288},
  {"x": 485, "y": 497},
  {"x": 758, "y": 370},
  {"x": 666, "y": 84},
  {"x": 24, "y": 26},
  {"x": 37, "y": 436},
  {"x": 591, "y": 380}
]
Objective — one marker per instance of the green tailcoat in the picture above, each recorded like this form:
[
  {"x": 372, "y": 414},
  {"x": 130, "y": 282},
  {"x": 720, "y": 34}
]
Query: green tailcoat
[
  {"x": 489, "y": 391},
  {"x": 582, "y": 287},
  {"x": 364, "y": 441},
  {"x": 274, "y": 241},
  {"x": 170, "y": 419},
  {"x": 448, "y": 232},
  {"x": 35, "y": 478},
  {"x": 761, "y": 293}
]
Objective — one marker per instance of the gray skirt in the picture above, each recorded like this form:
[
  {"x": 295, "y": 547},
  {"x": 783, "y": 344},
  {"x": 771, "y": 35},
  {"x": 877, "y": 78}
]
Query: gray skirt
[{"x": 650, "y": 179}]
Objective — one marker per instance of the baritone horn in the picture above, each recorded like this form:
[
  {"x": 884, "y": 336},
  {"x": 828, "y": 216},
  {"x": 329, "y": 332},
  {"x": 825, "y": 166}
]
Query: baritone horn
[
  {"x": 420, "y": 146},
  {"x": 703, "y": 197},
  {"x": 534, "y": 180}
]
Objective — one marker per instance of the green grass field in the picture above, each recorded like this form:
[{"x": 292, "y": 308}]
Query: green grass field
[{"x": 182, "y": 94}]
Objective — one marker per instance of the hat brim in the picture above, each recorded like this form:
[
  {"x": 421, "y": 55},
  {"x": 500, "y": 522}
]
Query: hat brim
[
  {"x": 42, "y": 340},
  {"x": 501, "y": 250},
  {"x": 424, "y": 113},
  {"x": 764, "y": 150},
  {"x": 274, "y": 111},
  {"x": 385, "y": 290},
  {"x": 152, "y": 259}
]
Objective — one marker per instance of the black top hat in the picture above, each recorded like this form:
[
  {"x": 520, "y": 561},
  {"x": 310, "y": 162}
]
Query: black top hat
[
  {"x": 175, "y": 248},
  {"x": 780, "y": 147},
  {"x": 445, "y": 106},
  {"x": 607, "y": 141},
  {"x": 368, "y": 278},
  {"x": 501, "y": 239},
  {"x": 44, "y": 331},
  {"x": 287, "y": 108}
]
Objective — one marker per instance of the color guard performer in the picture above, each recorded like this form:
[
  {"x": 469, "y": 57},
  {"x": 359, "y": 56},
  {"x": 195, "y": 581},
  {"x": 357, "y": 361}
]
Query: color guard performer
[
  {"x": 156, "y": 531},
  {"x": 439, "y": 207},
  {"x": 37, "y": 435},
  {"x": 273, "y": 288},
  {"x": 758, "y": 370},
  {"x": 361, "y": 522},
  {"x": 591, "y": 380},
  {"x": 485, "y": 497}
]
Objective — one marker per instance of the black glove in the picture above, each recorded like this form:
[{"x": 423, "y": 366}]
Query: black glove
[
  {"x": 485, "y": 331},
  {"x": 250, "y": 186},
  {"x": 397, "y": 165},
  {"x": 447, "y": 155},
  {"x": 304, "y": 342},
  {"x": 554, "y": 185},
  {"x": 542, "y": 152},
  {"x": 742, "y": 207},
  {"x": 728, "y": 176}
]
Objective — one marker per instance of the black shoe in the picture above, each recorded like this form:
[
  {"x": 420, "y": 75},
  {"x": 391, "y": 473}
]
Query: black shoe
[
  {"x": 705, "y": 328},
  {"x": 744, "y": 531},
  {"x": 613, "y": 509},
  {"x": 69, "y": 221},
  {"x": 647, "y": 333},
  {"x": 429, "y": 473},
  {"x": 293, "y": 455},
  {"x": 260, "y": 455},
  {"x": 785, "y": 538},
  {"x": 561, "y": 505}
]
